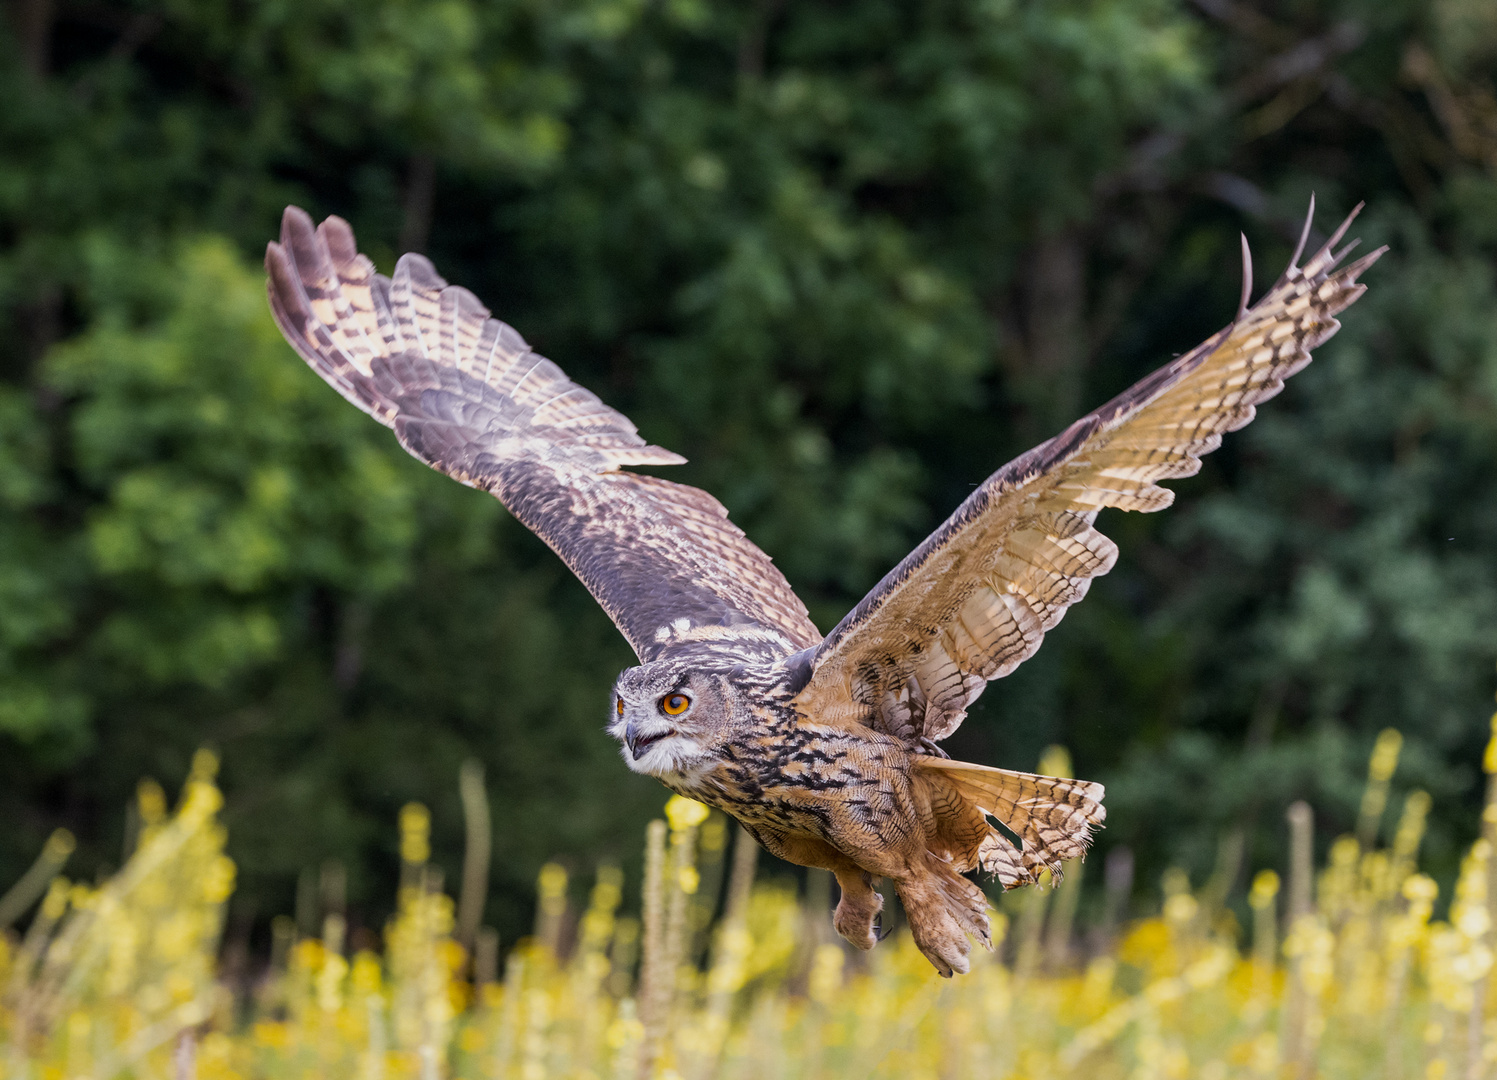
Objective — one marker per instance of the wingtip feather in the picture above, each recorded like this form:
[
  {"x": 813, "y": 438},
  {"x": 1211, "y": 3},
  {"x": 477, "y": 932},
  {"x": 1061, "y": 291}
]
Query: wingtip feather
[
  {"x": 1247, "y": 276},
  {"x": 1358, "y": 268},
  {"x": 1335, "y": 237},
  {"x": 284, "y": 287},
  {"x": 338, "y": 235},
  {"x": 1304, "y": 236},
  {"x": 273, "y": 253},
  {"x": 295, "y": 222},
  {"x": 419, "y": 271}
]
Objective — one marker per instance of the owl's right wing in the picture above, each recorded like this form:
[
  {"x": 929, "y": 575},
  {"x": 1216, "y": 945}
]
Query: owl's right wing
[
  {"x": 975, "y": 599},
  {"x": 466, "y": 395}
]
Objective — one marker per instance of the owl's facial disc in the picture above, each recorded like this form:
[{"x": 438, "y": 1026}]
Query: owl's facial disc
[
  {"x": 661, "y": 734},
  {"x": 639, "y": 734}
]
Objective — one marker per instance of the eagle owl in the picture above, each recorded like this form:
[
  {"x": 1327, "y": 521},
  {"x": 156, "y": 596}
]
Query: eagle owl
[{"x": 824, "y": 748}]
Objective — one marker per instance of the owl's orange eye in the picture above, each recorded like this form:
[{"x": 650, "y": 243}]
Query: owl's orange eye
[
  {"x": 674, "y": 704},
  {"x": 621, "y": 706}
]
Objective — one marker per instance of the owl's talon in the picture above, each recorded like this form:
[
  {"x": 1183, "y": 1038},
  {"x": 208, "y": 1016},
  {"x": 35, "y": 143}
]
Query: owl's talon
[
  {"x": 857, "y": 914},
  {"x": 932, "y": 749}
]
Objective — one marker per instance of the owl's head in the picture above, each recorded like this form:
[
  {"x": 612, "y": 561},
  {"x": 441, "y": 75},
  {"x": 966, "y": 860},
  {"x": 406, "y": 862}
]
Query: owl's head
[{"x": 668, "y": 718}]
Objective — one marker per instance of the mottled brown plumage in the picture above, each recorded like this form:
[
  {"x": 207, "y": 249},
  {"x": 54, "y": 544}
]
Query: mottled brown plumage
[{"x": 824, "y": 749}]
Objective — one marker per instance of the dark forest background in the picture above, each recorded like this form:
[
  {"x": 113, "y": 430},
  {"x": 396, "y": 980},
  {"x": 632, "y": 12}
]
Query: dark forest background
[{"x": 848, "y": 257}]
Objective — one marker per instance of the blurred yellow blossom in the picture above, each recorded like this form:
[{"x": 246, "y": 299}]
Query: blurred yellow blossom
[
  {"x": 684, "y": 813},
  {"x": 119, "y": 980}
]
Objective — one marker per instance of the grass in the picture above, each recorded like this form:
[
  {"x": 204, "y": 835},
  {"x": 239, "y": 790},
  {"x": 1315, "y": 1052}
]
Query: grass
[{"x": 120, "y": 980}]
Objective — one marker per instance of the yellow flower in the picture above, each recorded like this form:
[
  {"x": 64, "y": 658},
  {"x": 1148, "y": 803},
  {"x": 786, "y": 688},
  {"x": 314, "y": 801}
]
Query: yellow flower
[{"x": 684, "y": 813}]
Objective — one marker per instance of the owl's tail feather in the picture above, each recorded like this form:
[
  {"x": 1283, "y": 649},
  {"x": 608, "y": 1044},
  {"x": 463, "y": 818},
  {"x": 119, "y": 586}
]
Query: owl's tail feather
[{"x": 1052, "y": 818}]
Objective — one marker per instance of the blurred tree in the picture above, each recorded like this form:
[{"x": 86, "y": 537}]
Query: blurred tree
[{"x": 847, "y": 257}]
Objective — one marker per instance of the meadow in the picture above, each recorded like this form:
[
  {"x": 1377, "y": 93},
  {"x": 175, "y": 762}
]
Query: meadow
[{"x": 1342, "y": 972}]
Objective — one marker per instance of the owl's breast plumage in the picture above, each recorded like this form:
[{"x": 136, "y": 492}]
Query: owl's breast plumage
[{"x": 783, "y": 771}]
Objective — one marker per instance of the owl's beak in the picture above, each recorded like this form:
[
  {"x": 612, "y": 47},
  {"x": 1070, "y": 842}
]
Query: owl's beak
[{"x": 638, "y": 743}]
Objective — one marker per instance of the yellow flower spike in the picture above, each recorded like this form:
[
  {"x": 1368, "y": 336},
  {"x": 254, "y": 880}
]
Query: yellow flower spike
[
  {"x": 683, "y": 813},
  {"x": 552, "y": 883},
  {"x": 135, "y": 956},
  {"x": 218, "y": 881},
  {"x": 608, "y": 890},
  {"x": 415, "y": 834},
  {"x": 1375, "y": 797},
  {"x": 1407, "y": 838},
  {"x": 200, "y": 801},
  {"x": 1469, "y": 914},
  {"x": 306, "y": 960},
  {"x": 56, "y": 900},
  {"x": 365, "y": 976},
  {"x": 330, "y": 983},
  {"x": 1489, "y": 759},
  {"x": 1265, "y": 888},
  {"x": 1385, "y": 755},
  {"x": 151, "y": 801},
  {"x": 204, "y": 766}
]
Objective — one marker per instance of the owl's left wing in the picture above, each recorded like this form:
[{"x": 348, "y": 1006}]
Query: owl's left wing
[
  {"x": 975, "y": 599},
  {"x": 466, "y": 395}
]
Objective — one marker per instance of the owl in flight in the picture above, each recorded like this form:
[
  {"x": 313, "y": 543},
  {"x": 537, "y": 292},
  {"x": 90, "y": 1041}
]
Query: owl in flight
[{"x": 824, "y": 748}]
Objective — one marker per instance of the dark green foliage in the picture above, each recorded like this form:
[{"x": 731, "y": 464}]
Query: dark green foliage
[{"x": 848, "y": 258}]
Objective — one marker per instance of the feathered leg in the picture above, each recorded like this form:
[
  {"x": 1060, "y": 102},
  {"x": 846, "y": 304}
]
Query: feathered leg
[
  {"x": 943, "y": 909},
  {"x": 858, "y": 909},
  {"x": 860, "y": 903}
]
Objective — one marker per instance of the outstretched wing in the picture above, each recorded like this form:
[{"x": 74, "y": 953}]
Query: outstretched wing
[
  {"x": 975, "y": 599},
  {"x": 466, "y": 395}
]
